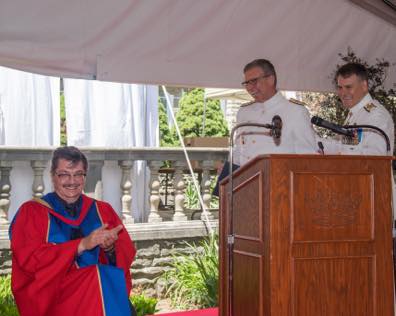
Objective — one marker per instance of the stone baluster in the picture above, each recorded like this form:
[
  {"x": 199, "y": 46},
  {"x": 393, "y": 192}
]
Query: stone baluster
[
  {"x": 179, "y": 187},
  {"x": 38, "y": 187},
  {"x": 155, "y": 184},
  {"x": 126, "y": 186},
  {"x": 5, "y": 189},
  {"x": 206, "y": 165}
]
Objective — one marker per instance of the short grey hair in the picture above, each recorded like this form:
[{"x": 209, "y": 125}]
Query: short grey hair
[{"x": 267, "y": 67}]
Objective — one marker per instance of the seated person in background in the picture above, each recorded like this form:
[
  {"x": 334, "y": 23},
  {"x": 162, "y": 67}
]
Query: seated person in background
[
  {"x": 70, "y": 254},
  {"x": 352, "y": 88},
  {"x": 297, "y": 134}
]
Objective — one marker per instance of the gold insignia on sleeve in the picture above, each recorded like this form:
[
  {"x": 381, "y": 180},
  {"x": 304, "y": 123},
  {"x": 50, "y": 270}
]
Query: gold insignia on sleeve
[
  {"x": 247, "y": 103},
  {"x": 295, "y": 101},
  {"x": 369, "y": 107}
]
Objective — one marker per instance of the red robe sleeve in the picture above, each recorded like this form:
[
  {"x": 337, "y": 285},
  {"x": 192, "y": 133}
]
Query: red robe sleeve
[{"x": 38, "y": 266}]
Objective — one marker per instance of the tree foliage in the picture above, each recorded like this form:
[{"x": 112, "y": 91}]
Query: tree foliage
[
  {"x": 198, "y": 117},
  {"x": 63, "y": 136},
  {"x": 166, "y": 139}
]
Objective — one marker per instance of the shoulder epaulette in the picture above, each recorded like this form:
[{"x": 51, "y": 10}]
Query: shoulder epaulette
[
  {"x": 297, "y": 102},
  {"x": 369, "y": 107},
  {"x": 247, "y": 103}
]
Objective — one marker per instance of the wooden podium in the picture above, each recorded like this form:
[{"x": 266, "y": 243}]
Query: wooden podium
[{"x": 313, "y": 237}]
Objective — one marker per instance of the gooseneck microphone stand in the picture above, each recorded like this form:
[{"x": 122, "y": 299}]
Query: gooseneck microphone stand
[
  {"x": 275, "y": 128},
  {"x": 344, "y": 129},
  {"x": 388, "y": 148}
]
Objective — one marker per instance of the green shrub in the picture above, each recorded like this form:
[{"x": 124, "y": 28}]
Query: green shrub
[
  {"x": 193, "y": 281},
  {"x": 7, "y": 303},
  {"x": 191, "y": 201},
  {"x": 8, "y": 310},
  {"x": 144, "y": 305},
  {"x": 5, "y": 289}
]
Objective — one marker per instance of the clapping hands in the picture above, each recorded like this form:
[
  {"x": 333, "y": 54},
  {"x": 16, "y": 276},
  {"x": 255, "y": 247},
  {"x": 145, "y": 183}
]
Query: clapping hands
[{"x": 102, "y": 237}]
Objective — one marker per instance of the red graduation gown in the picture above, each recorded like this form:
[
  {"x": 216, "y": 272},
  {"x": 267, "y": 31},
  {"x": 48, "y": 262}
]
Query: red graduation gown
[{"x": 47, "y": 281}]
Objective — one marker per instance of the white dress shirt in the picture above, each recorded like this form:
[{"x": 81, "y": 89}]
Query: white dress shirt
[{"x": 297, "y": 134}]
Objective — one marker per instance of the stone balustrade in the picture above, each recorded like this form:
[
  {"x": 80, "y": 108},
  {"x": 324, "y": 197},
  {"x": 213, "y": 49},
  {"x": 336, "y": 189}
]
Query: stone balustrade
[{"x": 204, "y": 159}]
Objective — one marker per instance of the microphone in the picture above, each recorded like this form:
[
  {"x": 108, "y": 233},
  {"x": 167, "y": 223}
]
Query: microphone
[
  {"x": 331, "y": 126},
  {"x": 276, "y": 129},
  {"x": 347, "y": 130}
]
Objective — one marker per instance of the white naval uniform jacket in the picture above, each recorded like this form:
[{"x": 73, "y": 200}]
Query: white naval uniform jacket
[
  {"x": 367, "y": 112},
  {"x": 297, "y": 135}
]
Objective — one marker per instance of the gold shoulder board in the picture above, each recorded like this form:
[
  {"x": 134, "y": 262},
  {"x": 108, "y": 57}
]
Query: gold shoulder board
[
  {"x": 369, "y": 107},
  {"x": 297, "y": 102}
]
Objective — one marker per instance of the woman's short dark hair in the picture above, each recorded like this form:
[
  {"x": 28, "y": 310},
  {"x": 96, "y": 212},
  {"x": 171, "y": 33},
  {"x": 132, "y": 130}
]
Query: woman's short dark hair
[{"x": 69, "y": 153}]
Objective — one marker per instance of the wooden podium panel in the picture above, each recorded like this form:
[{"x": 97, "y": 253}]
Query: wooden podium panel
[{"x": 313, "y": 236}]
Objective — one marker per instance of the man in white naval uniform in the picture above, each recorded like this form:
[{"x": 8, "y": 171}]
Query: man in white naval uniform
[
  {"x": 352, "y": 88},
  {"x": 297, "y": 135}
]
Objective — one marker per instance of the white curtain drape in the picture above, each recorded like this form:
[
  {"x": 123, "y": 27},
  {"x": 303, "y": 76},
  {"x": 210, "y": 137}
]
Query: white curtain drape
[
  {"x": 114, "y": 115},
  {"x": 29, "y": 117},
  {"x": 29, "y": 106}
]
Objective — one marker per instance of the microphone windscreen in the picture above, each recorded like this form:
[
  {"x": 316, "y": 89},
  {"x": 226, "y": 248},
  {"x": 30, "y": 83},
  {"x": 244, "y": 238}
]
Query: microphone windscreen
[
  {"x": 276, "y": 126},
  {"x": 316, "y": 120}
]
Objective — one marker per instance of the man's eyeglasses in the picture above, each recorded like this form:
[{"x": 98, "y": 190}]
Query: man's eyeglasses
[
  {"x": 64, "y": 176},
  {"x": 254, "y": 80}
]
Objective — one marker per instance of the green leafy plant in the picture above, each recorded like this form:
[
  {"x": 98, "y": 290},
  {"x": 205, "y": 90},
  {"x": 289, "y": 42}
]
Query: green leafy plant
[
  {"x": 191, "y": 201},
  {"x": 7, "y": 303},
  {"x": 193, "y": 281},
  {"x": 144, "y": 305},
  {"x": 9, "y": 310}
]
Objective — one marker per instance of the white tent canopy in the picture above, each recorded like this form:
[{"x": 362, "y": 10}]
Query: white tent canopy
[{"x": 189, "y": 42}]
